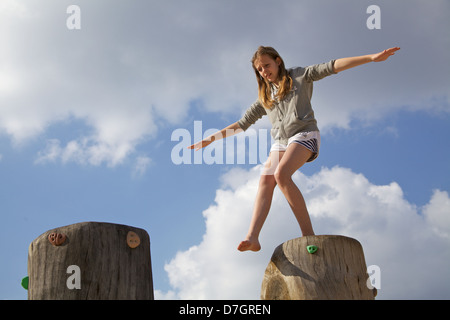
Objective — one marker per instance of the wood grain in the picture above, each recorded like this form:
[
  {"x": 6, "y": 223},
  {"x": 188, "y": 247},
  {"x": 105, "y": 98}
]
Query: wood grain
[
  {"x": 336, "y": 271},
  {"x": 109, "y": 268}
]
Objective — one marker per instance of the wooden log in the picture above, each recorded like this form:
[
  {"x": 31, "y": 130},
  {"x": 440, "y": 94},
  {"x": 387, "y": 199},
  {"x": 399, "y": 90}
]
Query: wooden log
[
  {"x": 91, "y": 261},
  {"x": 335, "y": 271}
]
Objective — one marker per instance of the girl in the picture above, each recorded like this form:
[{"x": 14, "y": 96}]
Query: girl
[{"x": 285, "y": 96}]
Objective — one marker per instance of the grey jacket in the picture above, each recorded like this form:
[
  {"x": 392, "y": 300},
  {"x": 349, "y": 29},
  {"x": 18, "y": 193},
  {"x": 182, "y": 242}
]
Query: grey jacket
[{"x": 294, "y": 113}]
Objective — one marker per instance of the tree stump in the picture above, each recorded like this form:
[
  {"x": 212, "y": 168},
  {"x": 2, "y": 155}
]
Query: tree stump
[
  {"x": 91, "y": 261},
  {"x": 325, "y": 267}
]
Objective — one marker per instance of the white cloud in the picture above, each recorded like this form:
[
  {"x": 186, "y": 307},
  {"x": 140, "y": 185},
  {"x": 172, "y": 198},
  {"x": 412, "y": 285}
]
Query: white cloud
[
  {"x": 87, "y": 151},
  {"x": 14, "y": 9},
  {"x": 51, "y": 153},
  {"x": 437, "y": 213},
  {"x": 412, "y": 249}
]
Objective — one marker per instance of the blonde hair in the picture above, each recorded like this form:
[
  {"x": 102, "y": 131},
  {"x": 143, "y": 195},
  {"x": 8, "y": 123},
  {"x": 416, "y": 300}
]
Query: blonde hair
[{"x": 264, "y": 89}]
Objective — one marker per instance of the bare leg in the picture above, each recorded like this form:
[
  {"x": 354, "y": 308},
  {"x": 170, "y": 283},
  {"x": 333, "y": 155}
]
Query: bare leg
[
  {"x": 262, "y": 205},
  {"x": 295, "y": 156},
  {"x": 279, "y": 171}
]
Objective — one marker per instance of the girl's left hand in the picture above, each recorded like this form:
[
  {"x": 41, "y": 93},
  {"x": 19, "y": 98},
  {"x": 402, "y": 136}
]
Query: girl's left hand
[{"x": 382, "y": 56}]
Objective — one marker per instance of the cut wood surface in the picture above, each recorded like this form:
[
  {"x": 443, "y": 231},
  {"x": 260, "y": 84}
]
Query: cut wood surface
[
  {"x": 90, "y": 261},
  {"x": 336, "y": 271}
]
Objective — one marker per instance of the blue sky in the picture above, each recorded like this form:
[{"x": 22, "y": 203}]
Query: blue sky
[{"x": 87, "y": 116}]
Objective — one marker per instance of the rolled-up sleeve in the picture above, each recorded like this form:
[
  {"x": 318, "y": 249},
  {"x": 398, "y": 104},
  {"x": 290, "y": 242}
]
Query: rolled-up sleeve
[
  {"x": 319, "y": 71},
  {"x": 253, "y": 114}
]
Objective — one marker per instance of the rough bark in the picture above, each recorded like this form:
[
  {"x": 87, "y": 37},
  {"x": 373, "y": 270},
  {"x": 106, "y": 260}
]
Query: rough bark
[
  {"x": 113, "y": 262},
  {"x": 336, "y": 271}
]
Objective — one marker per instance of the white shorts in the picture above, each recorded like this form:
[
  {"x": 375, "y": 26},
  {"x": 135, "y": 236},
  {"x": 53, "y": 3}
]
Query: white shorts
[{"x": 310, "y": 140}]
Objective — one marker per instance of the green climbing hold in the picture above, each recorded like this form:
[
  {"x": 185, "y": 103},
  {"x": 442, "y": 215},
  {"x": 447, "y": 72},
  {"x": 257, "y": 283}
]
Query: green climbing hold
[
  {"x": 24, "y": 283},
  {"x": 311, "y": 249}
]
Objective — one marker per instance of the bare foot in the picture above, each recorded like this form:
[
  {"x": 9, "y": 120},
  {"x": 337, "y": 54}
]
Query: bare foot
[{"x": 249, "y": 245}]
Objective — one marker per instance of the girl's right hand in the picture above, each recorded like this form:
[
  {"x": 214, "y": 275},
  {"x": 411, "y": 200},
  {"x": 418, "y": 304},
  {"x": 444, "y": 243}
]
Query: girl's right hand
[
  {"x": 201, "y": 144},
  {"x": 228, "y": 131},
  {"x": 383, "y": 55}
]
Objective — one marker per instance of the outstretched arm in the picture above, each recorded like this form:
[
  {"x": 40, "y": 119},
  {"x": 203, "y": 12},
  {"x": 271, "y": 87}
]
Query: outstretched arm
[
  {"x": 225, "y": 132},
  {"x": 351, "y": 62}
]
